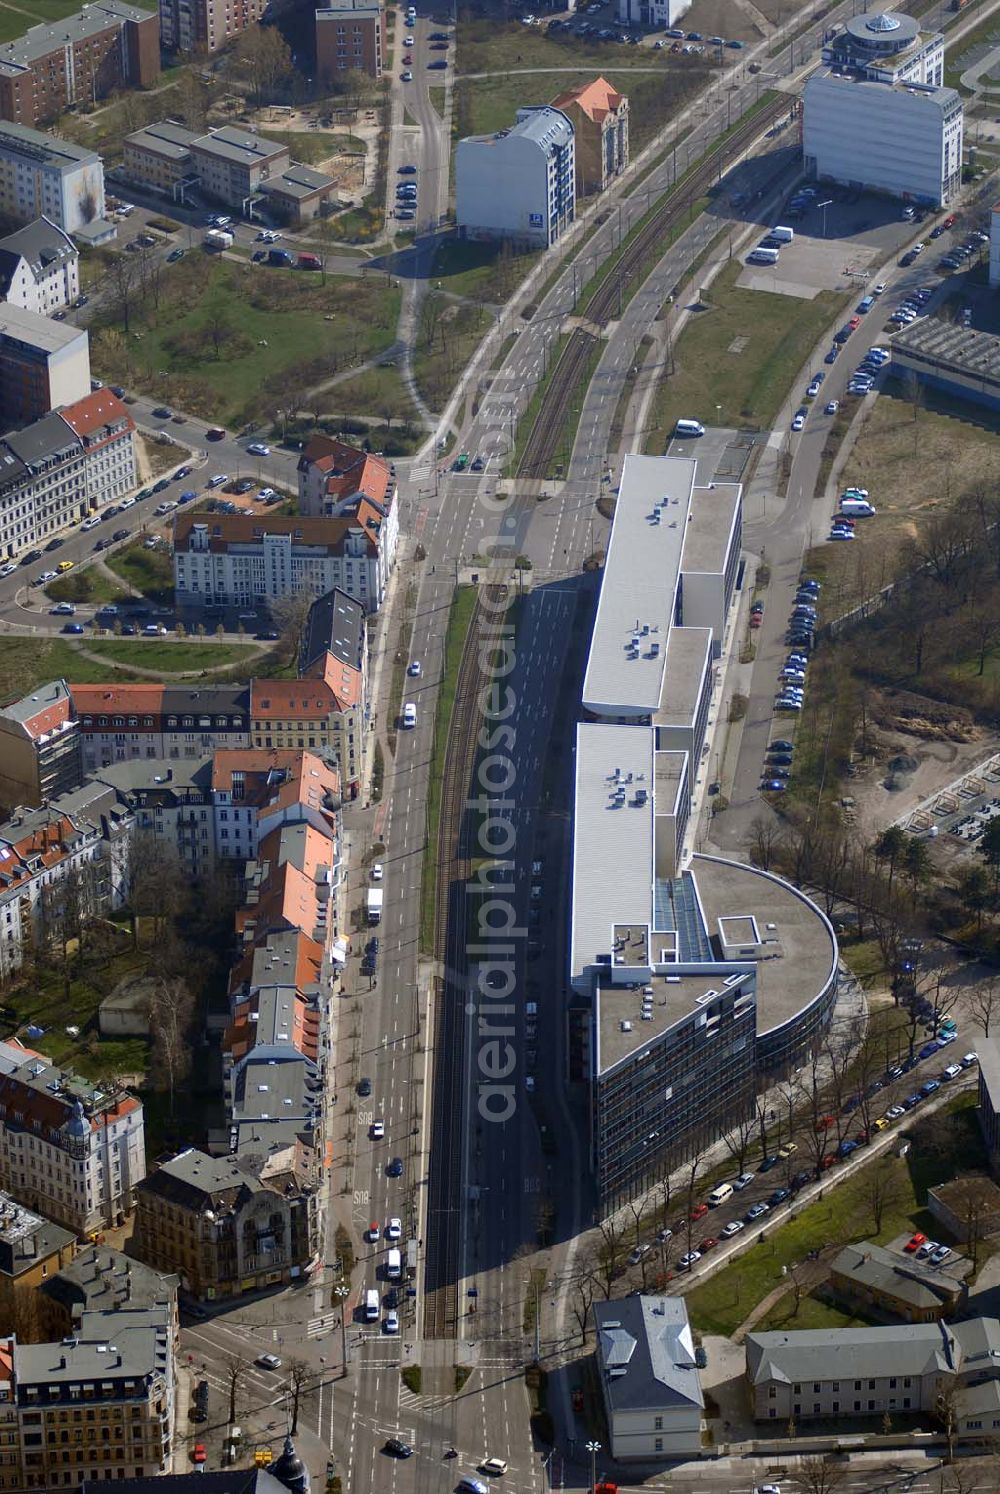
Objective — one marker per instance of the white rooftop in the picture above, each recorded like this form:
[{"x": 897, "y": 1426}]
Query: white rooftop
[
  {"x": 612, "y": 839},
  {"x": 638, "y": 589}
]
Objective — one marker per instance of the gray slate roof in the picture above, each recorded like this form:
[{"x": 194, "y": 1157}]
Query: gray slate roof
[
  {"x": 646, "y": 1354},
  {"x": 41, "y": 243},
  {"x": 852, "y": 1353},
  {"x": 336, "y": 625},
  {"x": 906, "y": 1279}
]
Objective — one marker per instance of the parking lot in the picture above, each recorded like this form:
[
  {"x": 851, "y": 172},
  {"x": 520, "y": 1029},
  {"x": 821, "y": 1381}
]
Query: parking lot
[{"x": 836, "y": 247}]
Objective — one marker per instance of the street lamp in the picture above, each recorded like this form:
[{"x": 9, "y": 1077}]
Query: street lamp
[
  {"x": 824, "y": 206},
  {"x": 342, "y": 1292},
  {"x": 593, "y": 1448}
]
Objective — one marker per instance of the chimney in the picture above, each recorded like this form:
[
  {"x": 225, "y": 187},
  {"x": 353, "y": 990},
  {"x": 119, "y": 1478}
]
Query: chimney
[{"x": 62, "y": 1361}]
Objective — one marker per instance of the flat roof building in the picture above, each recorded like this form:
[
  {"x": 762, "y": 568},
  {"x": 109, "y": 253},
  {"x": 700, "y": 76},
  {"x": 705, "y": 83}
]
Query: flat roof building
[
  {"x": 886, "y": 47},
  {"x": 43, "y": 364},
  {"x": 696, "y": 979},
  {"x": 918, "y": 126},
  {"x": 958, "y": 361},
  {"x": 43, "y": 176},
  {"x": 350, "y": 38}
]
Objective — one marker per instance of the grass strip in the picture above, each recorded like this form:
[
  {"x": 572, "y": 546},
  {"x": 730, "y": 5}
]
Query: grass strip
[{"x": 463, "y": 605}]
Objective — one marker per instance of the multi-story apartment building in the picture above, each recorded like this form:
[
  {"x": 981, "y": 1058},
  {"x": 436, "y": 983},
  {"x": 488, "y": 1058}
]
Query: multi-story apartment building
[
  {"x": 248, "y": 560},
  {"x": 42, "y": 176},
  {"x": 323, "y": 712},
  {"x": 63, "y": 467},
  {"x": 203, "y": 26},
  {"x": 43, "y": 364},
  {"x": 159, "y": 156},
  {"x": 121, "y": 722},
  {"x": 100, "y": 1404},
  {"x": 105, "y": 430},
  {"x": 599, "y": 116},
  {"x": 228, "y": 1225},
  {"x": 172, "y": 800},
  {"x": 40, "y": 754},
  {"x": 39, "y": 268},
  {"x": 58, "y": 864},
  {"x": 520, "y": 183},
  {"x": 108, "y": 45},
  {"x": 334, "y": 477},
  {"x": 68, "y": 1148},
  {"x": 350, "y": 38},
  {"x": 255, "y": 791}
]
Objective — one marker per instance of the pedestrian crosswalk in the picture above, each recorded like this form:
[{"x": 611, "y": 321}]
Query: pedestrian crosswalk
[{"x": 325, "y": 1323}]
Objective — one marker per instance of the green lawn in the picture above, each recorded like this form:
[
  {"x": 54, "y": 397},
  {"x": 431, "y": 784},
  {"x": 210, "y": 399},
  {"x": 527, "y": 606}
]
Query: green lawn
[
  {"x": 378, "y": 394},
  {"x": 463, "y": 606},
  {"x": 150, "y": 572},
  {"x": 312, "y": 146},
  {"x": 43, "y": 1001},
  {"x": 28, "y": 662},
  {"x": 812, "y": 1312},
  {"x": 233, "y": 341},
  {"x": 176, "y": 657},
  {"x": 733, "y": 360},
  {"x": 437, "y": 94},
  {"x": 487, "y": 272},
  {"x": 943, "y": 1144},
  {"x": 87, "y": 585}
]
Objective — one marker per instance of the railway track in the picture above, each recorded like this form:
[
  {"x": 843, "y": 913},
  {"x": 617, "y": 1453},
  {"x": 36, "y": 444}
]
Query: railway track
[
  {"x": 444, "y": 1265},
  {"x": 542, "y": 442}
]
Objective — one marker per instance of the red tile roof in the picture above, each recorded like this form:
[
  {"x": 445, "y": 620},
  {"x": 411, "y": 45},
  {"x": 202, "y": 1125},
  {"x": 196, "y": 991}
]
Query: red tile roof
[
  {"x": 91, "y": 699},
  {"x": 91, "y": 414},
  {"x": 349, "y": 471},
  {"x": 595, "y": 99},
  {"x": 49, "y": 718},
  {"x": 244, "y": 529}
]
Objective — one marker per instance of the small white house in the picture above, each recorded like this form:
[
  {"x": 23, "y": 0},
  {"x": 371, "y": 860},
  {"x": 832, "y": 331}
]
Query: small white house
[
  {"x": 649, "y": 1378},
  {"x": 39, "y": 268}
]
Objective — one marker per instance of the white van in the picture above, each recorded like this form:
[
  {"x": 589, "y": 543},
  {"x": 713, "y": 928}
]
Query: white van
[
  {"x": 859, "y": 507},
  {"x": 782, "y": 234},
  {"x": 689, "y": 428},
  {"x": 394, "y": 1265},
  {"x": 763, "y": 256},
  {"x": 409, "y": 715},
  {"x": 720, "y": 1195},
  {"x": 371, "y": 1305}
]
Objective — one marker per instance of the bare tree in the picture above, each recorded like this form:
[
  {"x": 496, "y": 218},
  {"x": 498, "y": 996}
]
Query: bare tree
[
  {"x": 290, "y": 615},
  {"x": 122, "y": 282},
  {"x": 611, "y": 1253},
  {"x": 262, "y": 58},
  {"x": 637, "y": 1210},
  {"x": 820, "y": 1474},
  {"x": 155, "y": 884},
  {"x": 946, "y": 1413},
  {"x": 583, "y": 1288},
  {"x": 171, "y": 1012},
  {"x": 301, "y": 1377},
  {"x": 881, "y": 1190},
  {"x": 765, "y": 841},
  {"x": 689, "y": 1201},
  {"x": 739, "y": 1140},
  {"x": 984, "y": 1004},
  {"x": 234, "y": 1369}
]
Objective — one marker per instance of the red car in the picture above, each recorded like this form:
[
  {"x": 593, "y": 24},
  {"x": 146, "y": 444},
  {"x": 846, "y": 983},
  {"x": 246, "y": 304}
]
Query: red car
[
  {"x": 699, "y": 1211},
  {"x": 915, "y": 1243},
  {"x": 709, "y": 1243},
  {"x": 826, "y": 1162},
  {"x": 825, "y": 1122},
  {"x": 949, "y": 222},
  {"x": 854, "y": 323},
  {"x": 756, "y": 618},
  {"x": 863, "y": 1137},
  {"x": 199, "y": 1455}
]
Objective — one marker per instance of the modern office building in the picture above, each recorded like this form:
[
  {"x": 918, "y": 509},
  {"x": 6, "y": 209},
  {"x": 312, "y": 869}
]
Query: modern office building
[
  {"x": 957, "y": 361},
  {"x": 646, "y": 1365},
  {"x": 988, "y": 1049},
  {"x": 42, "y": 176},
  {"x": 350, "y": 38},
  {"x": 68, "y": 1148},
  {"x": 918, "y": 127},
  {"x": 886, "y": 47},
  {"x": 599, "y": 116},
  {"x": 39, "y": 268},
  {"x": 696, "y": 979},
  {"x": 40, "y": 755},
  {"x": 995, "y": 246},
  {"x": 108, "y": 45},
  {"x": 520, "y": 183},
  {"x": 230, "y": 1225},
  {"x": 245, "y": 561},
  {"x": 43, "y": 364},
  {"x": 203, "y": 26}
]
